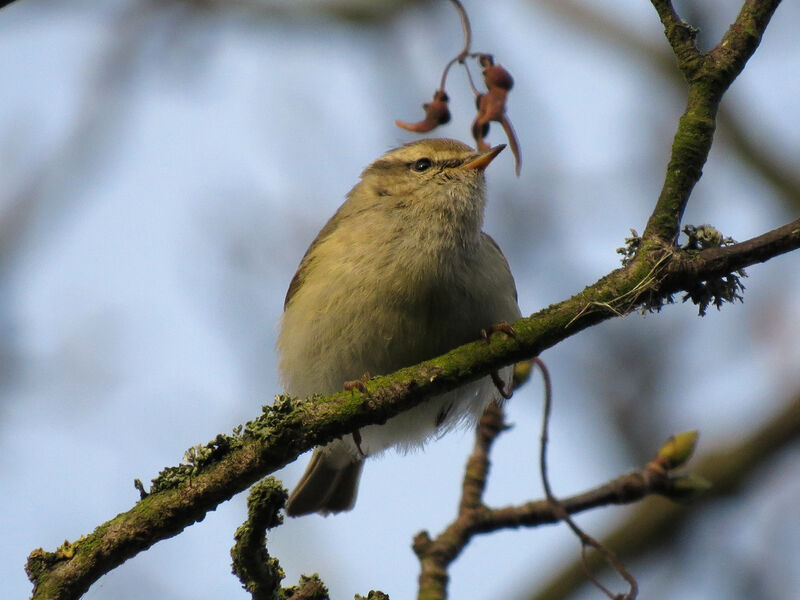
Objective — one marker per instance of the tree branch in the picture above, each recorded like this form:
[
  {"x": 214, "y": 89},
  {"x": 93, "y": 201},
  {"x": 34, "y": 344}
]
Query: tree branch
[
  {"x": 435, "y": 556},
  {"x": 259, "y": 573},
  {"x": 653, "y": 523},
  {"x": 680, "y": 36},
  {"x": 715, "y": 262},
  {"x": 709, "y": 76},
  {"x": 732, "y": 122},
  {"x": 474, "y": 517},
  {"x": 182, "y": 495}
]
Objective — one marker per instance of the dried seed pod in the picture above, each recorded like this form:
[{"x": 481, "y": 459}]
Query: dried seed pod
[
  {"x": 480, "y": 126},
  {"x": 492, "y": 105},
  {"x": 497, "y": 76},
  {"x": 437, "y": 113}
]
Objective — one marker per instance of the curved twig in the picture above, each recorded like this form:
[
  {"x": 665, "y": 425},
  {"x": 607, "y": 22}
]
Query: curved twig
[
  {"x": 459, "y": 58},
  {"x": 587, "y": 541}
]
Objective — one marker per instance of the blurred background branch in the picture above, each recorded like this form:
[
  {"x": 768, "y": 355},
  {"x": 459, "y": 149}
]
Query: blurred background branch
[
  {"x": 163, "y": 170},
  {"x": 734, "y": 123},
  {"x": 657, "y": 524}
]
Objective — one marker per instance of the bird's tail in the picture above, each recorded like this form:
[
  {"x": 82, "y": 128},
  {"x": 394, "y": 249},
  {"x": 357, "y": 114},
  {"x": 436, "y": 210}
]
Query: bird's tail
[{"x": 329, "y": 485}]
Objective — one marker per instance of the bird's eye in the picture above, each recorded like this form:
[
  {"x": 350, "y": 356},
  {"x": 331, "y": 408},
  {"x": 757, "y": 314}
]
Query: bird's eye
[{"x": 423, "y": 164}]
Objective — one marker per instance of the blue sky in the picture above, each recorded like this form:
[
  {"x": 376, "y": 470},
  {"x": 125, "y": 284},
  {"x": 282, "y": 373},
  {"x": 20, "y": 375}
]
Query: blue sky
[{"x": 163, "y": 168}]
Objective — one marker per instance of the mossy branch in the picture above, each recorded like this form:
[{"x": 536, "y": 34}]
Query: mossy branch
[
  {"x": 735, "y": 122},
  {"x": 183, "y": 495},
  {"x": 260, "y": 574},
  {"x": 709, "y": 75}
]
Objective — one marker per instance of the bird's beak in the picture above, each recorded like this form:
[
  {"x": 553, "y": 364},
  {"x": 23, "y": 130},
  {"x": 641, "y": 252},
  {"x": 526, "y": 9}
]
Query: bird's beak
[{"x": 482, "y": 160}]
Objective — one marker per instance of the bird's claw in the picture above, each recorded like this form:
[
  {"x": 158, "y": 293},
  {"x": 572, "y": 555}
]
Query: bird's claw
[
  {"x": 501, "y": 326},
  {"x": 357, "y": 440},
  {"x": 357, "y": 384},
  {"x": 500, "y": 385}
]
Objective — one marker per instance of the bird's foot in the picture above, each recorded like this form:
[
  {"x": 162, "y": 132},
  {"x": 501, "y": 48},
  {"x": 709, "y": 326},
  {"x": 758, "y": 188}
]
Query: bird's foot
[
  {"x": 357, "y": 384},
  {"x": 501, "y": 385},
  {"x": 357, "y": 440},
  {"x": 501, "y": 326}
]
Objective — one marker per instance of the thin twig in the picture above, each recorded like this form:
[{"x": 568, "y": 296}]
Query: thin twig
[
  {"x": 475, "y": 518},
  {"x": 558, "y": 508},
  {"x": 467, "y": 43},
  {"x": 436, "y": 555},
  {"x": 653, "y": 527},
  {"x": 680, "y": 36},
  {"x": 651, "y": 279}
]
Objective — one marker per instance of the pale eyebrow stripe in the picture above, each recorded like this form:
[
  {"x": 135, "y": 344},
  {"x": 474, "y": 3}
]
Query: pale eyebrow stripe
[{"x": 399, "y": 165}]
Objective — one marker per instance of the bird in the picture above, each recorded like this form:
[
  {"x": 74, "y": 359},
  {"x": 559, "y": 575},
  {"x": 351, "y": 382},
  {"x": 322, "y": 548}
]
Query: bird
[{"x": 401, "y": 273}]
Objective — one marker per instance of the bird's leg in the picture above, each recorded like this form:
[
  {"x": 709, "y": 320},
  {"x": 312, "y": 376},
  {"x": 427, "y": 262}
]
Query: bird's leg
[
  {"x": 500, "y": 385},
  {"x": 360, "y": 385},
  {"x": 501, "y": 326},
  {"x": 509, "y": 331},
  {"x": 357, "y": 440}
]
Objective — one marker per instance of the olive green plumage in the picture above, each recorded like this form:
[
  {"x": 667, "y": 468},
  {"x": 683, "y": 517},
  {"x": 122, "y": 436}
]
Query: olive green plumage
[{"x": 401, "y": 273}]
